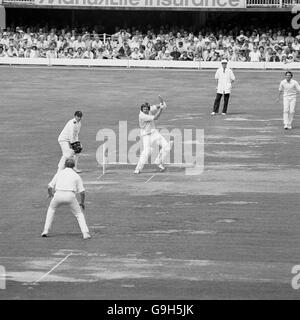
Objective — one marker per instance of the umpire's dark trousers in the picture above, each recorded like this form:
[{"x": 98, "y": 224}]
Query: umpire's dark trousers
[{"x": 218, "y": 100}]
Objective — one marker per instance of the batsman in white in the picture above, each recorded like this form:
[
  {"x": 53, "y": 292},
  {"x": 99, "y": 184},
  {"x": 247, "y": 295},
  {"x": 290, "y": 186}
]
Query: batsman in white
[
  {"x": 62, "y": 189},
  {"x": 289, "y": 87},
  {"x": 150, "y": 135},
  {"x": 69, "y": 135}
]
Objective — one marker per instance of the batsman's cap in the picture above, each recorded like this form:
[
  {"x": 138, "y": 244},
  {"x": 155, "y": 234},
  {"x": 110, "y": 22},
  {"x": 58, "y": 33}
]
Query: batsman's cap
[
  {"x": 70, "y": 163},
  {"x": 224, "y": 61},
  {"x": 78, "y": 114}
]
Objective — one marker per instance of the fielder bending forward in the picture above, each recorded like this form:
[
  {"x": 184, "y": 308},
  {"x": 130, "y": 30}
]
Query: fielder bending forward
[
  {"x": 68, "y": 136},
  {"x": 289, "y": 87},
  {"x": 150, "y": 135},
  {"x": 66, "y": 183}
]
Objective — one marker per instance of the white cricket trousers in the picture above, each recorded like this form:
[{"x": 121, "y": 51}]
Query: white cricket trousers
[
  {"x": 148, "y": 141},
  {"x": 67, "y": 152},
  {"x": 65, "y": 198},
  {"x": 289, "y": 104}
]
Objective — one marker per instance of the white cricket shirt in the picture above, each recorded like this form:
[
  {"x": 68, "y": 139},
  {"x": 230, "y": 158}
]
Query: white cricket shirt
[
  {"x": 224, "y": 77},
  {"x": 146, "y": 121},
  {"x": 289, "y": 88},
  {"x": 70, "y": 131},
  {"x": 67, "y": 180}
]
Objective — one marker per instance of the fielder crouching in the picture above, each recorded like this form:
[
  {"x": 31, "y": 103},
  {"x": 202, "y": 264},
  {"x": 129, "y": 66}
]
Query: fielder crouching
[
  {"x": 67, "y": 138},
  {"x": 62, "y": 190}
]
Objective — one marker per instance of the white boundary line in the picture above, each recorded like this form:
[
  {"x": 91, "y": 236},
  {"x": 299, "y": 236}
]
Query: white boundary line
[
  {"x": 58, "y": 264},
  {"x": 149, "y": 179},
  {"x": 134, "y": 68}
]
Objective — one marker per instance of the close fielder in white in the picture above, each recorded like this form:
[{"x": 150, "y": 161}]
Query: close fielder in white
[
  {"x": 289, "y": 87},
  {"x": 150, "y": 135},
  {"x": 62, "y": 190},
  {"x": 69, "y": 135}
]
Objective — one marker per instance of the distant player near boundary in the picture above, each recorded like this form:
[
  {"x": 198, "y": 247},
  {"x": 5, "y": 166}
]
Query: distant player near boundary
[
  {"x": 150, "y": 135},
  {"x": 289, "y": 87},
  {"x": 225, "y": 77},
  {"x": 69, "y": 135}
]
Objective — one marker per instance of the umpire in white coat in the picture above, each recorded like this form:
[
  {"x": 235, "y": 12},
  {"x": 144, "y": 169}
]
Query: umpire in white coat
[
  {"x": 225, "y": 78},
  {"x": 62, "y": 189}
]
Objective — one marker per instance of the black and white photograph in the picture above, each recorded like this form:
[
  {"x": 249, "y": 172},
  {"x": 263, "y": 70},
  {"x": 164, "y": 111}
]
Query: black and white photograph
[{"x": 150, "y": 153}]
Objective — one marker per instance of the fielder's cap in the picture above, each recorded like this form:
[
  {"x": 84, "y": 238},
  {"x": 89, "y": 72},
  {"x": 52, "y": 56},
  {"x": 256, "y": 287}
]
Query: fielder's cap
[
  {"x": 224, "y": 61},
  {"x": 78, "y": 114}
]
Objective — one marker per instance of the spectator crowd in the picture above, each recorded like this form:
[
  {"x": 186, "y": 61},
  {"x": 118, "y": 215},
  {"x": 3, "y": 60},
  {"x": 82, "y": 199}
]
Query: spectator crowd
[{"x": 270, "y": 45}]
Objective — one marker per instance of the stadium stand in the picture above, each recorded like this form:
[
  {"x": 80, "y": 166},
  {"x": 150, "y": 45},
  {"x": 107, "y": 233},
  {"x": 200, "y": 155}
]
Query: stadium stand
[{"x": 245, "y": 46}]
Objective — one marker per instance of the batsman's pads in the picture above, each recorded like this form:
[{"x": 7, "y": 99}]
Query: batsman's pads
[{"x": 76, "y": 146}]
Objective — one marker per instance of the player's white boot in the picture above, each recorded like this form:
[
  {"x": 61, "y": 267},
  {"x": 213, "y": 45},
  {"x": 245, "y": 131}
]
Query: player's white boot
[
  {"x": 289, "y": 126},
  {"x": 86, "y": 236},
  {"x": 44, "y": 234},
  {"x": 161, "y": 168},
  {"x": 137, "y": 171},
  {"x": 213, "y": 113},
  {"x": 285, "y": 127},
  {"x": 77, "y": 170}
]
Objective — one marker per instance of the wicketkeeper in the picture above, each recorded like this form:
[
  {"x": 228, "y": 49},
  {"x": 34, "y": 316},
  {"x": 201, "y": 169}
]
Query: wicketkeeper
[{"x": 69, "y": 141}]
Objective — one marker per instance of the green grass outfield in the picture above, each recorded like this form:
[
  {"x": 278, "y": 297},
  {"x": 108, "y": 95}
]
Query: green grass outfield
[{"x": 231, "y": 232}]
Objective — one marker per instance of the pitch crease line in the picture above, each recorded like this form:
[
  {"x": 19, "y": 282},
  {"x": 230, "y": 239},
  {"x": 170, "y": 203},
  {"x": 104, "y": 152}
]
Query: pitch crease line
[
  {"x": 149, "y": 179},
  {"x": 58, "y": 264}
]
